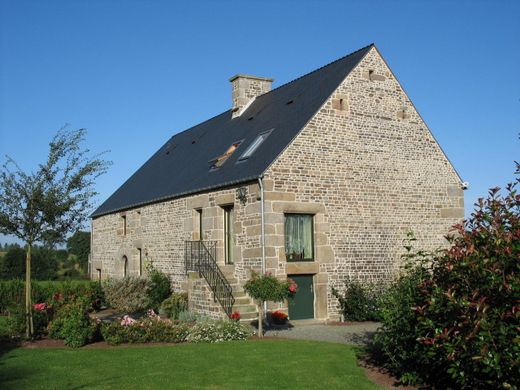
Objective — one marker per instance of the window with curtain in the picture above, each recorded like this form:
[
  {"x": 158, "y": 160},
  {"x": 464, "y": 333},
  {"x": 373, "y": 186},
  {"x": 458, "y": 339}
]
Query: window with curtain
[{"x": 299, "y": 245}]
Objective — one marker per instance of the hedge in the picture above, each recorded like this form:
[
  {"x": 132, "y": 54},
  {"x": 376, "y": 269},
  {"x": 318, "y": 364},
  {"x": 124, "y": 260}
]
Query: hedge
[{"x": 12, "y": 292}]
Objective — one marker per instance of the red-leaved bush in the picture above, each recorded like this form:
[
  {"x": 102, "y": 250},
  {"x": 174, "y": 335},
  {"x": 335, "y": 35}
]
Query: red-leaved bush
[{"x": 453, "y": 320}]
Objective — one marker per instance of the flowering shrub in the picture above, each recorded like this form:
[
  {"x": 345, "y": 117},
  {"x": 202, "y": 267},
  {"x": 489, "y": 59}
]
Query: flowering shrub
[
  {"x": 150, "y": 329},
  {"x": 235, "y": 316},
  {"x": 279, "y": 317},
  {"x": 213, "y": 331},
  {"x": 72, "y": 324},
  {"x": 455, "y": 316},
  {"x": 154, "y": 329}
]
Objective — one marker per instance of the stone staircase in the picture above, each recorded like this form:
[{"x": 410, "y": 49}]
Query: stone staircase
[{"x": 243, "y": 303}]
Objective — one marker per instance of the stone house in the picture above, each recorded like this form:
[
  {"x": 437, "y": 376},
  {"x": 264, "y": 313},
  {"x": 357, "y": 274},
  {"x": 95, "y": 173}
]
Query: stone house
[{"x": 318, "y": 179}]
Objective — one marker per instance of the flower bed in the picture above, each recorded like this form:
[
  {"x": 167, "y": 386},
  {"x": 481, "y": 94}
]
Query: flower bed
[{"x": 152, "y": 328}]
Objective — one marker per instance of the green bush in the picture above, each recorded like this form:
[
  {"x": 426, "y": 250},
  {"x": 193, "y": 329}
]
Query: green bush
[
  {"x": 129, "y": 294},
  {"x": 160, "y": 286},
  {"x": 15, "y": 321},
  {"x": 12, "y": 292},
  {"x": 174, "y": 305},
  {"x": 454, "y": 321},
  {"x": 212, "y": 331},
  {"x": 359, "y": 302},
  {"x": 73, "y": 325}
]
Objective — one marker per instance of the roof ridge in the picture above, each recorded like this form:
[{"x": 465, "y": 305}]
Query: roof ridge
[{"x": 321, "y": 67}]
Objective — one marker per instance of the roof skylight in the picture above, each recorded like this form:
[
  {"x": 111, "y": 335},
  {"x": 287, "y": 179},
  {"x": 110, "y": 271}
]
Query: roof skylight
[{"x": 255, "y": 145}]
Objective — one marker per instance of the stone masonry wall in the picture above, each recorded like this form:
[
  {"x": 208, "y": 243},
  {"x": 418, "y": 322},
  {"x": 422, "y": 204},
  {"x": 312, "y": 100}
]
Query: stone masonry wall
[
  {"x": 161, "y": 229},
  {"x": 369, "y": 170}
]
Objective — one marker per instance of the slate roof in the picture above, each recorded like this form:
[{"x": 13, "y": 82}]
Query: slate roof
[{"x": 182, "y": 165}]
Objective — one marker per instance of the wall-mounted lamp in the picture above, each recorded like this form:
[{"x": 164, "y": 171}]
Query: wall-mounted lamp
[{"x": 242, "y": 195}]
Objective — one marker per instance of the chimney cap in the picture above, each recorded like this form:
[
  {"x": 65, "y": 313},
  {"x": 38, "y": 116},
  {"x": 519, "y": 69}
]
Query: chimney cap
[{"x": 247, "y": 76}]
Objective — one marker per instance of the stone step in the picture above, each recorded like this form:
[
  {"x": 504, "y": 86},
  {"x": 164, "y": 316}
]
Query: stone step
[
  {"x": 242, "y": 300},
  {"x": 240, "y": 294},
  {"x": 244, "y": 308},
  {"x": 248, "y": 317}
]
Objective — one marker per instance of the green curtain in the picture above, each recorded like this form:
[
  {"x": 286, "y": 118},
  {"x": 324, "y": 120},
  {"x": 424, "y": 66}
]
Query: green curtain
[{"x": 298, "y": 237}]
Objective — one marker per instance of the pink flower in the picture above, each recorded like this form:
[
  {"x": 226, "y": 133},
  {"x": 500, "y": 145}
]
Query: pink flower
[
  {"x": 40, "y": 306},
  {"x": 292, "y": 288},
  {"x": 127, "y": 320}
]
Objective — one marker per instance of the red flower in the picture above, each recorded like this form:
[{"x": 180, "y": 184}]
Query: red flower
[
  {"x": 279, "y": 317},
  {"x": 292, "y": 288},
  {"x": 235, "y": 316}
]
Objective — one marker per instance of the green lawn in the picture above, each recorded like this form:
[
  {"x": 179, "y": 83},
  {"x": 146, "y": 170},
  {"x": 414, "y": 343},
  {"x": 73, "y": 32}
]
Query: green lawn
[{"x": 273, "y": 364}]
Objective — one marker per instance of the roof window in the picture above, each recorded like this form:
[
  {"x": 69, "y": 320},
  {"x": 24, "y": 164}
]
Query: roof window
[
  {"x": 254, "y": 145},
  {"x": 219, "y": 161}
]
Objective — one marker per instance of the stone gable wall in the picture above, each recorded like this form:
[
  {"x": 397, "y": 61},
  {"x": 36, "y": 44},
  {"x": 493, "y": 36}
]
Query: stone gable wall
[{"x": 371, "y": 167}]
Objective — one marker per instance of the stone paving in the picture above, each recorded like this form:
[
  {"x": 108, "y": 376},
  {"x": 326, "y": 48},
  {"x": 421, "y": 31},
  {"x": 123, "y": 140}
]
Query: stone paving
[{"x": 357, "y": 333}]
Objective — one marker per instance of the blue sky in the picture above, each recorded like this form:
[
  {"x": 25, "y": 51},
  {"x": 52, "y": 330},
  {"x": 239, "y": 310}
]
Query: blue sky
[{"x": 136, "y": 72}]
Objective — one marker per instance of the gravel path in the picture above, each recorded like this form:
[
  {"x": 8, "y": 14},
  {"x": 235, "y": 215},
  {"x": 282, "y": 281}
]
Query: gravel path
[{"x": 357, "y": 333}]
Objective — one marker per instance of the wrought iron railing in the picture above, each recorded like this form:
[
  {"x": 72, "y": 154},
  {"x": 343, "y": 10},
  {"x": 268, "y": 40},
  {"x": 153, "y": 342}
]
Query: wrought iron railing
[{"x": 199, "y": 256}]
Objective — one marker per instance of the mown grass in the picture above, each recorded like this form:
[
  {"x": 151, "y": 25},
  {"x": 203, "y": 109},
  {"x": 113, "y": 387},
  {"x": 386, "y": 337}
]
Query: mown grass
[{"x": 273, "y": 364}]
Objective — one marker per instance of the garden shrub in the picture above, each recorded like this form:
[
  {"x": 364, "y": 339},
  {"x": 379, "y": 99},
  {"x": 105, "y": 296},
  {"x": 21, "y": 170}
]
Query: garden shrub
[
  {"x": 73, "y": 325},
  {"x": 216, "y": 331},
  {"x": 160, "y": 286},
  {"x": 149, "y": 329},
  {"x": 15, "y": 321},
  {"x": 359, "y": 301},
  {"x": 174, "y": 305},
  {"x": 129, "y": 294},
  {"x": 154, "y": 329},
  {"x": 455, "y": 320}
]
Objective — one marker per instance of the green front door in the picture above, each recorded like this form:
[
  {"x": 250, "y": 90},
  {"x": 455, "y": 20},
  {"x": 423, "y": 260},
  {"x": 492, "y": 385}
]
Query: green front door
[{"x": 302, "y": 306}]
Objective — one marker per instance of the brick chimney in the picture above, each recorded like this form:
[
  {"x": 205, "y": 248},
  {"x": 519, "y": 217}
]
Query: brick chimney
[{"x": 245, "y": 88}]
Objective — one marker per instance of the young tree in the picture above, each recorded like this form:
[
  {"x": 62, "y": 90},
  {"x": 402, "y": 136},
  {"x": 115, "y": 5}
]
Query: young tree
[
  {"x": 46, "y": 205},
  {"x": 267, "y": 288}
]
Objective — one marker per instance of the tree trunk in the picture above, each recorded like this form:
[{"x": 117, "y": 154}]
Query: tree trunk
[
  {"x": 260, "y": 316},
  {"x": 29, "y": 327}
]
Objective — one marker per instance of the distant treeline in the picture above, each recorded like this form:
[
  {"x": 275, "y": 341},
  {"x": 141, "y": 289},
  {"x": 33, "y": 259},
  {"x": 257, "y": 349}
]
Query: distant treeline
[{"x": 48, "y": 263}]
